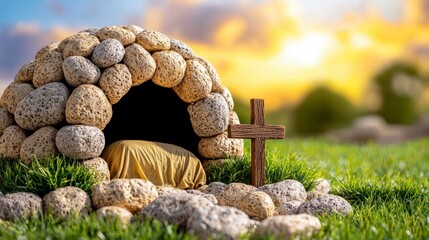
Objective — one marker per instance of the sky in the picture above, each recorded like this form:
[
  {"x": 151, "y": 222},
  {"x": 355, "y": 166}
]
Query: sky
[{"x": 271, "y": 49}]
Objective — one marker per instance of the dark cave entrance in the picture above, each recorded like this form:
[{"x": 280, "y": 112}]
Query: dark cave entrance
[{"x": 153, "y": 113}]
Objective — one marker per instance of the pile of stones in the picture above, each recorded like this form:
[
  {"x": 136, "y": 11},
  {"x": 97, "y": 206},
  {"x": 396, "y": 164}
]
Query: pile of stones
[
  {"x": 62, "y": 100},
  {"x": 282, "y": 209}
]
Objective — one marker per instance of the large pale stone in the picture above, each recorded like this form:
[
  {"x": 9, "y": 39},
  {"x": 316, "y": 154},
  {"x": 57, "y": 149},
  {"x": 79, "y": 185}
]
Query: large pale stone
[
  {"x": 6, "y": 119},
  {"x": 99, "y": 166},
  {"x": 196, "y": 83},
  {"x": 285, "y": 191},
  {"x": 140, "y": 63},
  {"x": 14, "y": 93},
  {"x": 162, "y": 190},
  {"x": 66, "y": 201},
  {"x": 126, "y": 37},
  {"x": 170, "y": 68},
  {"x": 80, "y": 141},
  {"x": 44, "y": 106},
  {"x": 25, "y": 74},
  {"x": 228, "y": 97},
  {"x": 131, "y": 194},
  {"x": 109, "y": 52},
  {"x": 257, "y": 205},
  {"x": 11, "y": 140},
  {"x": 233, "y": 193},
  {"x": 87, "y": 105},
  {"x": 19, "y": 205},
  {"x": 220, "y": 146},
  {"x": 153, "y": 41},
  {"x": 326, "y": 204},
  {"x": 81, "y": 44},
  {"x": 39, "y": 145},
  {"x": 133, "y": 28},
  {"x": 209, "y": 197},
  {"x": 79, "y": 70},
  {"x": 214, "y": 188},
  {"x": 49, "y": 68},
  {"x": 323, "y": 186},
  {"x": 214, "y": 76},
  {"x": 181, "y": 48},
  {"x": 288, "y": 208},
  {"x": 111, "y": 213},
  {"x": 115, "y": 82},
  {"x": 209, "y": 116},
  {"x": 52, "y": 46}
]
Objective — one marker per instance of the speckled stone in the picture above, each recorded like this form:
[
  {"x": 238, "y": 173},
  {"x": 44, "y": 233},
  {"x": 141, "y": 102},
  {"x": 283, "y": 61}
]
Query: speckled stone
[
  {"x": 153, "y": 41},
  {"x": 140, "y": 63},
  {"x": 170, "y": 68},
  {"x": 133, "y": 28},
  {"x": 6, "y": 119},
  {"x": 257, "y": 205},
  {"x": 209, "y": 116},
  {"x": 315, "y": 194},
  {"x": 233, "y": 118},
  {"x": 110, "y": 213},
  {"x": 91, "y": 31},
  {"x": 19, "y": 205},
  {"x": 196, "y": 83},
  {"x": 288, "y": 227},
  {"x": 174, "y": 208},
  {"x": 81, "y": 44},
  {"x": 87, "y": 105},
  {"x": 99, "y": 166},
  {"x": 49, "y": 68},
  {"x": 220, "y": 146},
  {"x": 214, "y": 188},
  {"x": 228, "y": 97},
  {"x": 109, "y": 52},
  {"x": 115, "y": 82},
  {"x": 80, "y": 141},
  {"x": 79, "y": 70},
  {"x": 131, "y": 194},
  {"x": 233, "y": 193},
  {"x": 181, "y": 48},
  {"x": 66, "y": 201},
  {"x": 39, "y": 145},
  {"x": 285, "y": 191},
  {"x": 25, "y": 73},
  {"x": 11, "y": 140},
  {"x": 209, "y": 197},
  {"x": 327, "y": 204},
  {"x": 323, "y": 186},
  {"x": 52, "y": 46},
  {"x": 42, "y": 107},
  {"x": 218, "y": 222},
  {"x": 288, "y": 208},
  {"x": 162, "y": 190},
  {"x": 126, "y": 37},
  {"x": 14, "y": 93},
  {"x": 214, "y": 76}
]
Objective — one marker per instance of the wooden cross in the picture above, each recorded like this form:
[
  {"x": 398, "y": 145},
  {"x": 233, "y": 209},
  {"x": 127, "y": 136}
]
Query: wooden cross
[{"x": 258, "y": 132}]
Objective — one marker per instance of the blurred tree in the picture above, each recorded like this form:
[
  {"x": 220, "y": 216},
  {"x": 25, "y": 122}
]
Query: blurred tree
[
  {"x": 399, "y": 86},
  {"x": 322, "y": 110},
  {"x": 242, "y": 109}
]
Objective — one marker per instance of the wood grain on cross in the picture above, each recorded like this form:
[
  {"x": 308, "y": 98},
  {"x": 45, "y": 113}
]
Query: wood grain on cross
[{"x": 258, "y": 132}]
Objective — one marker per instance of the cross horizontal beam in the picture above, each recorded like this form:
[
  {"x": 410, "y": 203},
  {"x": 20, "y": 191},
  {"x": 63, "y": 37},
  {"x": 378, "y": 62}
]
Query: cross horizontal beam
[{"x": 255, "y": 131}]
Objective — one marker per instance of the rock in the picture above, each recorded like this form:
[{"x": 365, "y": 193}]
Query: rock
[
  {"x": 233, "y": 193},
  {"x": 288, "y": 227},
  {"x": 220, "y": 146},
  {"x": 153, "y": 41},
  {"x": 53, "y": 46},
  {"x": 91, "y": 31},
  {"x": 108, "y": 53},
  {"x": 131, "y": 194},
  {"x": 87, "y": 105},
  {"x": 80, "y": 44},
  {"x": 323, "y": 186},
  {"x": 214, "y": 76},
  {"x": 111, "y": 213},
  {"x": 314, "y": 194},
  {"x": 209, "y": 116},
  {"x": 257, "y": 205},
  {"x": 170, "y": 68},
  {"x": 6, "y": 119},
  {"x": 209, "y": 197},
  {"x": 124, "y": 36},
  {"x": 228, "y": 97},
  {"x": 19, "y": 205},
  {"x": 196, "y": 83},
  {"x": 11, "y": 140},
  {"x": 140, "y": 63},
  {"x": 288, "y": 208},
  {"x": 233, "y": 118},
  {"x": 99, "y": 166},
  {"x": 79, "y": 70},
  {"x": 66, "y": 201},
  {"x": 25, "y": 74},
  {"x": 181, "y": 48},
  {"x": 42, "y": 107},
  {"x": 49, "y": 68},
  {"x": 174, "y": 208},
  {"x": 328, "y": 204},
  {"x": 80, "y": 141},
  {"x": 39, "y": 145},
  {"x": 133, "y": 28},
  {"x": 215, "y": 188},
  {"x": 285, "y": 191},
  {"x": 115, "y": 82},
  {"x": 218, "y": 222},
  {"x": 14, "y": 93},
  {"x": 162, "y": 190}
]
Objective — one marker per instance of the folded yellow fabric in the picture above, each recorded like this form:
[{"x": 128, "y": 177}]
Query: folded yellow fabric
[{"x": 160, "y": 163}]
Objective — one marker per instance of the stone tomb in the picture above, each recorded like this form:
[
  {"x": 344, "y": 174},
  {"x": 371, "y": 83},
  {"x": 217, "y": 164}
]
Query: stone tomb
[{"x": 112, "y": 83}]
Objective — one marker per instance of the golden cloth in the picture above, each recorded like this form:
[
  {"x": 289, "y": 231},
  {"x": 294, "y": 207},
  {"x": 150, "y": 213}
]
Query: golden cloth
[{"x": 161, "y": 163}]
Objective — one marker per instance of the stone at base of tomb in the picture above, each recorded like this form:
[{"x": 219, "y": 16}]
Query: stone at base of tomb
[
  {"x": 162, "y": 190},
  {"x": 14, "y": 93},
  {"x": 19, "y": 205},
  {"x": 233, "y": 193},
  {"x": 99, "y": 167},
  {"x": 285, "y": 191},
  {"x": 288, "y": 208},
  {"x": 11, "y": 140},
  {"x": 209, "y": 197},
  {"x": 257, "y": 205},
  {"x": 39, "y": 145},
  {"x": 326, "y": 204},
  {"x": 6, "y": 119},
  {"x": 220, "y": 146},
  {"x": 214, "y": 188},
  {"x": 111, "y": 213}
]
